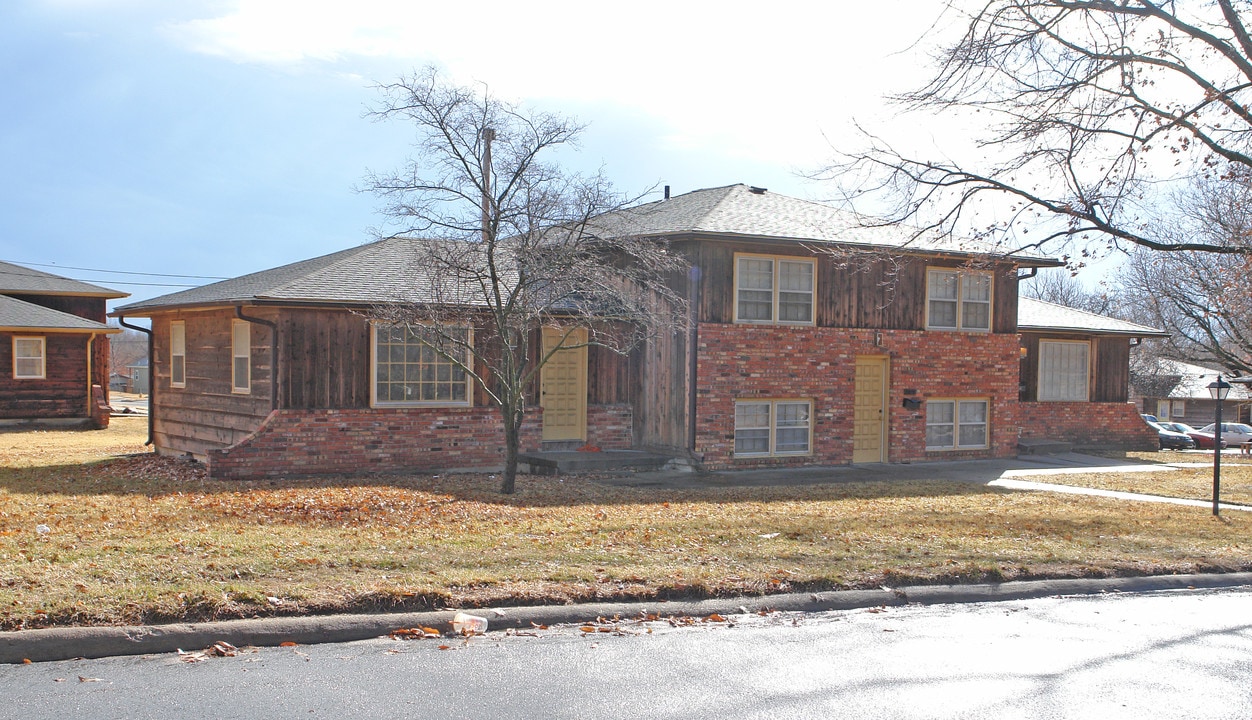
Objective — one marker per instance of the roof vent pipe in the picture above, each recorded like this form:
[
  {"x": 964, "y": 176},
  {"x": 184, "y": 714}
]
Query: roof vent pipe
[
  {"x": 667, "y": 192},
  {"x": 756, "y": 190}
]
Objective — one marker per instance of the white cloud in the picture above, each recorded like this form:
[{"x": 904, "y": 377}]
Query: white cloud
[{"x": 760, "y": 80}]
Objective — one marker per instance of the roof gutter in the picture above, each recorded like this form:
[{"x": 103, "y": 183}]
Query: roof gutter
[
  {"x": 273, "y": 326},
  {"x": 121, "y": 320}
]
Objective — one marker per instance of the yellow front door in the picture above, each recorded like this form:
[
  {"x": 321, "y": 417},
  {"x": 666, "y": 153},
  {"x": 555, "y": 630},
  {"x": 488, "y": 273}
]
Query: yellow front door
[
  {"x": 563, "y": 386},
  {"x": 869, "y": 410}
]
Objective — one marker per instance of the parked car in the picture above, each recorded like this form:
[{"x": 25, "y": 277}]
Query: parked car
[
  {"x": 1202, "y": 439},
  {"x": 1149, "y": 419},
  {"x": 1232, "y": 433},
  {"x": 1171, "y": 440}
]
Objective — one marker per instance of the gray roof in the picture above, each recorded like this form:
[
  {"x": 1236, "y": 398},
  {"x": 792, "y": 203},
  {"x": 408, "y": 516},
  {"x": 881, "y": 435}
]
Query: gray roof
[
  {"x": 21, "y": 316},
  {"x": 1193, "y": 381},
  {"x": 376, "y": 272},
  {"x": 755, "y": 213},
  {"x": 1035, "y": 315},
  {"x": 389, "y": 270},
  {"x": 24, "y": 280}
]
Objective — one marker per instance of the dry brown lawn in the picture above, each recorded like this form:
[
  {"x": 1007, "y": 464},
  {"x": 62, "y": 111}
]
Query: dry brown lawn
[{"x": 144, "y": 539}]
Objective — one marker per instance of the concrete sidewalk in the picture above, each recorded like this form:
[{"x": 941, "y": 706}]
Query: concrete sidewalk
[{"x": 1005, "y": 473}]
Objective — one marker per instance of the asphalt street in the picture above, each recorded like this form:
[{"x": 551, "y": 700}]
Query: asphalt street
[{"x": 1169, "y": 654}]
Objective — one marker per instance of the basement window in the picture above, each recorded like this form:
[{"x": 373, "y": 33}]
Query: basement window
[
  {"x": 956, "y": 424},
  {"x": 29, "y": 358},
  {"x": 773, "y": 427}
]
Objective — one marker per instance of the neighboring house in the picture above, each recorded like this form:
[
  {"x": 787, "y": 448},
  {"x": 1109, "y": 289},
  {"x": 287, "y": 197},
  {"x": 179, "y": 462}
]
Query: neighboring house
[
  {"x": 138, "y": 377},
  {"x": 1188, "y": 400},
  {"x": 792, "y": 357},
  {"x": 119, "y": 382},
  {"x": 54, "y": 348},
  {"x": 1075, "y": 374}
]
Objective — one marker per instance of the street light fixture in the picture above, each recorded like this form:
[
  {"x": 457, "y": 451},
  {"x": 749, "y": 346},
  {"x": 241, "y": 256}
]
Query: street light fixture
[{"x": 1218, "y": 389}]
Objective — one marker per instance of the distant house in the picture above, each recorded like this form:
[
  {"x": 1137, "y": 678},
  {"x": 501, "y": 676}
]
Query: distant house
[
  {"x": 138, "y": 377},
  {"x": 1187, "y": 399},
  {"x": 54, "y": 348},
  {"x": 789, "y": 358}
]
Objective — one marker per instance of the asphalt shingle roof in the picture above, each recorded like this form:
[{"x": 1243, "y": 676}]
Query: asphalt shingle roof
[
  {"x": 23, "y": 316},
  {"x": 1193, "y": 381},
  {"x": 24, "y": 280},
  {"x": 381, "y": 271},
  {"x": 742, "y": 210},
  {"x": 1040, "y": 315},
  {"x": 386, "y": 270}
]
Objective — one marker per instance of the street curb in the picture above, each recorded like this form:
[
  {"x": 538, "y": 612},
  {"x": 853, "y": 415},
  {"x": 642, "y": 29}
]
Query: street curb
[{"x": 97, "y": 642}]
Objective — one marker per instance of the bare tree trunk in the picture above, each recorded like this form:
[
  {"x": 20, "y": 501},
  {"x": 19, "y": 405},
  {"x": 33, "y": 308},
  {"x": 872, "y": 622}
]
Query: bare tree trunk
[{"x": 512, "y": 444}]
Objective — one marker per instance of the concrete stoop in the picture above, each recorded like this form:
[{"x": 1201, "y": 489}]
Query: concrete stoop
[
  {"x": 572, "y": 461},
  {"x": 1043, "y": 446}
]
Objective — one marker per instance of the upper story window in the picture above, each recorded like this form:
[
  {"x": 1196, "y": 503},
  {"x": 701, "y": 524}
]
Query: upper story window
[
  {"x": 29, "y": 355},
  {"x": 241, "y": 356},
  {"x": 772, "y": 289},
  {"x": 1064, "y": 369},
  {"x": 409, "y": 371},
  {"x": 178, "y": 354},
  {"x": 958, "y": 300}
]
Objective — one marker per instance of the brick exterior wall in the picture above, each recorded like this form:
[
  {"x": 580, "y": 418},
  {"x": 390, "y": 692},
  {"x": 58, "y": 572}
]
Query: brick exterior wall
[
  {"x": 609, "y": 427},
  {"x": 746, "y": 361},
  {"x": 322, "y": 442},
  {"x": 1088, "y": 424}
]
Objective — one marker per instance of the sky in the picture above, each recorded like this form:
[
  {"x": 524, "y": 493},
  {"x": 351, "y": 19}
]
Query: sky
[{"x": 214, "y": 138}]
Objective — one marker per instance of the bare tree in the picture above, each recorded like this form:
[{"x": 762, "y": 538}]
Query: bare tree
[
  {"x": 1063, "y": 288},
  {"x": 508, "y": 245},
  {"x": 126, "y": 348},
  {"x": 1089, "y": 108},
  {"x": 1204, "y": 300}
]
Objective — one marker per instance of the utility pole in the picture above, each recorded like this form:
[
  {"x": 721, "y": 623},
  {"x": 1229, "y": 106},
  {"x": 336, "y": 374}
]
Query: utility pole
[{"x": 487, "y": 135}]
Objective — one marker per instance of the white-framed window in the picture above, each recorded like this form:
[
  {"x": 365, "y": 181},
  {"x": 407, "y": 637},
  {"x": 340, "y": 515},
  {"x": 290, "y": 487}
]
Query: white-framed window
[
  {"x": 1178, "y": 408},
  {"x": 1064, "y": 370},
  {"x": 773, "y": 427},
  {"x": 240, "y": 356},
  {"x": 771, "y": 289},
  {"x": 409, "y": 371},
  {"x": 29, "y": 358},
  {"x": 178, "y": 354},
  {"x": 957, "y": 424},
  {"x": 958, "y": 300}
]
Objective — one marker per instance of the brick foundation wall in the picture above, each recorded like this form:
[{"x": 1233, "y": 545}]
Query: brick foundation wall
[
  {"x": 1088, "y": 424},
  {"x": 745, "y": 361},
  {"x": 609, "y": 427},
  {"x": 321, "y": 442}
]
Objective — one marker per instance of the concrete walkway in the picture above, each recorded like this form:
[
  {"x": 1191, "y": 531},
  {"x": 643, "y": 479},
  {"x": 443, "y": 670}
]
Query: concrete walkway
[{"x": 1005, "y": 473}]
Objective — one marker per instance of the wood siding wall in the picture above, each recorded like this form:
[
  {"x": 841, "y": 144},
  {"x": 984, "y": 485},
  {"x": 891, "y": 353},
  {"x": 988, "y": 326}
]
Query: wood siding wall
[
  {"x": 1109, "y": 363},
  {"x": 880, "y": 294},
  {"x": 62, "y": 393},
  {"x": 91, "y": 308},
  {"x": 205, "y": 414}
]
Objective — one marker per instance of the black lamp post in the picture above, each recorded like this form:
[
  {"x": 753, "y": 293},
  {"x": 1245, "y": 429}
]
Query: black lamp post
[{"x": 1218, "y": 389}]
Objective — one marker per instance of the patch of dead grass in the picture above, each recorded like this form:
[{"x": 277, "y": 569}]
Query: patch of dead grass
[{"x": 147, "y": 539}]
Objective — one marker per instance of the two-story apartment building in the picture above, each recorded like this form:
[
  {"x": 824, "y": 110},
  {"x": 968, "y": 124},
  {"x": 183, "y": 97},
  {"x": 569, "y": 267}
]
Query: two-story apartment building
[{"x": 809, "y": 342}]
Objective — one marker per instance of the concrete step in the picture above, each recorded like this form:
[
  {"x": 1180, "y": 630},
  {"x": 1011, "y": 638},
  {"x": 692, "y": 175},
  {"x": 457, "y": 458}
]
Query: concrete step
[
  {"x": 1043, "y": 446},
  {"x": 569, "y": 461}
]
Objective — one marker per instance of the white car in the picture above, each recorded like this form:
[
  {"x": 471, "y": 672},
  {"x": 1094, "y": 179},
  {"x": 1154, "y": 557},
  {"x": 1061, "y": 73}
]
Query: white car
[{"x": 1233, "y": 433}]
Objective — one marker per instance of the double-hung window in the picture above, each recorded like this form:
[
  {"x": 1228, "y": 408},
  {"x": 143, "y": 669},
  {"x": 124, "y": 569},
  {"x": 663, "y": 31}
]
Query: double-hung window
[
  {"x": 958, "y": 300},
  {"x": 774, "y": 289},
  {"x": 241, "y": 356},
  {"x": 178, "y": 354},
  {"x": 1064, "y": 370},
  {"x": 29, "y": 361},
  {"x": 956, "y": 424},
  {"x": 773, "y": 427},
  {"x": 408, "y": 370}
]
